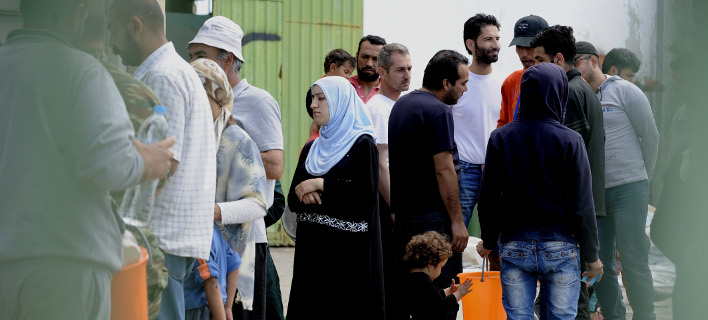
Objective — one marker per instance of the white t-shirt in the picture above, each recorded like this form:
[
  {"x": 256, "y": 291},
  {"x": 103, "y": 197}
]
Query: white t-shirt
[
  {"x": 379, "y": 107},
  {"x": 476, "y": 115}
]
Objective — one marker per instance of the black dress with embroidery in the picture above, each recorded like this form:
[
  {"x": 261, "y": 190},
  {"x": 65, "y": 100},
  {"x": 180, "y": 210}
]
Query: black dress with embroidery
[{"x": 338, "y": 268}]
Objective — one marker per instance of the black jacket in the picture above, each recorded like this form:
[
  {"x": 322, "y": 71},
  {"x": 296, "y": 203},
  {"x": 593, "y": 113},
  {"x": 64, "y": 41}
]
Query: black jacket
[
  {"x": 536, "y": 183},
  {"x": 583, "y": 114}
]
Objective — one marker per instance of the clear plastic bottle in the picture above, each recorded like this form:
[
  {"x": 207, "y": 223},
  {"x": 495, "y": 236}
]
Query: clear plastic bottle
[{"x": 138, "y": 201}]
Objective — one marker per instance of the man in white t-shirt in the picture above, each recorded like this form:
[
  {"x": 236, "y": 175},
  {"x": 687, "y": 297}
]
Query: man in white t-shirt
[
  {"x": 394, "y": 68},
  {"x": 476, "y": 113}
]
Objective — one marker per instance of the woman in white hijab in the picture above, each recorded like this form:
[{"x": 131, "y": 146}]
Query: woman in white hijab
[
  {"x": 240, "y": 178},
  {"x": 334, "y": 193}
]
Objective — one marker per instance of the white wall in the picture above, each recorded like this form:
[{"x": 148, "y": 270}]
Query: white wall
[{"x": 427, "y": 26}]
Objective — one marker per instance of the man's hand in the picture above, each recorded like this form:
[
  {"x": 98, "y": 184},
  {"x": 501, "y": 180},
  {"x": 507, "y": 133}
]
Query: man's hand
[
  {"x": 594, "y": 269},
  {"x": 459, "y": 236},
  {"x": 482, "y": 250},
  {"x": 157, "y": 158}
]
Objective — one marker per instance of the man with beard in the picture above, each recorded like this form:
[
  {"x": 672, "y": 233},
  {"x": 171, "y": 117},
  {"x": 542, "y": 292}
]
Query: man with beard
[
  {"x": 182, "y": 215},
  {"x": 394, "y": 66},
  {"x": 366, "y": 81},
  {"x": 424, "y": 189},
  {"x": 524, "y": 30},
  {"x": 476, "y": 113}
]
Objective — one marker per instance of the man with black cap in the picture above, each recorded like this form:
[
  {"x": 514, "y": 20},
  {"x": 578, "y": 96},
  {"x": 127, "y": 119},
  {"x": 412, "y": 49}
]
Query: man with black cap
[
  {"x": 630, "y": 155},
  {"x": 524, "y": 30}
]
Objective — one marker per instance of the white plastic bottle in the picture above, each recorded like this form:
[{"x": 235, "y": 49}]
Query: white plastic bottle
[{"x": 136, "y": 207}]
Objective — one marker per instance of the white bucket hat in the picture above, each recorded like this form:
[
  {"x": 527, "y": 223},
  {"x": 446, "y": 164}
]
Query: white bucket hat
[{"x": 220, "y": 32}]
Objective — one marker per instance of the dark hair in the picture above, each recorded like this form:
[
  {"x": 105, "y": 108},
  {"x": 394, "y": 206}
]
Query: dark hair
[
  {"x": 621, "y": 58},
  {"x": 384, "y": 60},
  {"x": 443, "y": 65},
  {"x": 426, "y": 249},
  {"x": 148, "y": 11},
  {"x": 557, "y": 39},
  {"x": 375, "y": 40},
  {"x": 338, "y": 57},
  {"x": 308, "y": 102},
  {"x": 474, "y": 25}
]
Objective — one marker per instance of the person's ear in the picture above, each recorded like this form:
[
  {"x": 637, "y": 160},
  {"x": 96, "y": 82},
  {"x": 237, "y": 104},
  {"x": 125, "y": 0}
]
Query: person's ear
[
  {"x": 332, "y": 66},
  {"x": 470, "y": 45},
  {"x": 136, "y": 26},
  {"x": 613, "y": 71},
  {"x": 594, "y": 61},
  {"x": 382, "y": 72},
  {"x": 447, "y": 84},
  {"x": 559, "y": 59}
]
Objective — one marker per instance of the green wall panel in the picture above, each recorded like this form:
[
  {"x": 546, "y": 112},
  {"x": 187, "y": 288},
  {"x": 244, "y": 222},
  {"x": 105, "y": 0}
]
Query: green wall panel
[{"x": 262, "y": 26}]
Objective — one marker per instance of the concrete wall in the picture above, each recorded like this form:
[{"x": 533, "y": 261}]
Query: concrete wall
[{"x": 427, "y": 28}]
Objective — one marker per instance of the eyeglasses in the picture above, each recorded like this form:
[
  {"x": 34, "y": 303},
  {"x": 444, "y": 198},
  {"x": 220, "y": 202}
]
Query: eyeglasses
[{"x": 581, "y": 59}]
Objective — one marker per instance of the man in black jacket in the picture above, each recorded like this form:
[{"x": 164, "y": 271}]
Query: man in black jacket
[
  {"x": 556, "y": 45},
  {"x": 536, "y": 200}
]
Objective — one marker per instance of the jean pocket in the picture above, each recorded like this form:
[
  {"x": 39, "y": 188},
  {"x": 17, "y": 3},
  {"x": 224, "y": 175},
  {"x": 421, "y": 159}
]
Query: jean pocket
[
  {"x": 562, "y": 266},
  {"x": 512, "y": 264}
]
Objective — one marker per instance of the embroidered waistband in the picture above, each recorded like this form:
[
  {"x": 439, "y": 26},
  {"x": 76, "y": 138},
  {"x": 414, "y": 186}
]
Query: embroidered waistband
[{"x": 333, "y": 222}]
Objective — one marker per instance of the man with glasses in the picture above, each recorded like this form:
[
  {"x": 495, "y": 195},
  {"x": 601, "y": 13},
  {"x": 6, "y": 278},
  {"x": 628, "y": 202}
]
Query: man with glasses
[{"x": 630, "y": 152}]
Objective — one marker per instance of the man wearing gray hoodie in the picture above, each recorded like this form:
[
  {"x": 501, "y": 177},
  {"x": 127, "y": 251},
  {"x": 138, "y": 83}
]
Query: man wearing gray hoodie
[{"x": 631, "y": 146}]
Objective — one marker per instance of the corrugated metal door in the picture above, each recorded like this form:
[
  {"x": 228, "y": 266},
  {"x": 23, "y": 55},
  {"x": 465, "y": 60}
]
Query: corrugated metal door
[{"x": 284, "y": 47}]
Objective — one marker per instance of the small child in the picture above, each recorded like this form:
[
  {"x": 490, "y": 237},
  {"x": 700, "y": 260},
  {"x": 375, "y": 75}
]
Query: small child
[
  {"x": 210, "y": 291},
  {"x": 426, "y": 254}
]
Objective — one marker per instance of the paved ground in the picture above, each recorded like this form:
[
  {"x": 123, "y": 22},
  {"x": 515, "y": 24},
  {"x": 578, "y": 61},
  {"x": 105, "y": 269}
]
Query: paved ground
[{"x": 283, "y": 258}]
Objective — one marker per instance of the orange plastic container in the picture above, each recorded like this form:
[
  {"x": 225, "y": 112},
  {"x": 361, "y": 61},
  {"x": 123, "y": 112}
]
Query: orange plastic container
[
  {"x": 129, "y": 299},
  {"x": 485, "y": 300}
]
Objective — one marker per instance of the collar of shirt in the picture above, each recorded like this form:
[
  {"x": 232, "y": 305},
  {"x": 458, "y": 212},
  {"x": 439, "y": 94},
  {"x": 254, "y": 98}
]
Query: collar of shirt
[
  {"x": 242, "y": 85},
  {"x": 37, "y": 34},
  {"x": 153, "y": 58},
  {"x": 354, "y": 80}
]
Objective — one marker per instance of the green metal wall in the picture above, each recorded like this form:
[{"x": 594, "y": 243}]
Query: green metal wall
[
  {"x": 308, "y": 29},
  {"x": 263, "y": 57}
]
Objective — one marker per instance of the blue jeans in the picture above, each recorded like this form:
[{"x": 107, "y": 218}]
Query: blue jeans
[
  {"x": 179, "y": 268},
  {"x": 470, "y": 178},
  {"x": 408, "y": 226},
  {"x": 555, "y": 263},
  {"x": 623, "y": 230}
]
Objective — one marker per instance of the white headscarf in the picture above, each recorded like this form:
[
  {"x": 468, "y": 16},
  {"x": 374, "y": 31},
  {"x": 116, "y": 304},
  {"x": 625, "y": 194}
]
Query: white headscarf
[
  {"x": 217, "y": 86},
  {"x": 348, "y": 120}
]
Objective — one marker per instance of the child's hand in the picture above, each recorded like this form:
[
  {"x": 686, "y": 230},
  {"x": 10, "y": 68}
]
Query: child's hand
[
  {"x": 453, "y": 287},
  {"x": 463, "y": 289}
]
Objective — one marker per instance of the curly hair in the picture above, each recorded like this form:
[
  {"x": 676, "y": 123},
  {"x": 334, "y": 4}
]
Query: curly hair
[{"x": 426, "y": 249}]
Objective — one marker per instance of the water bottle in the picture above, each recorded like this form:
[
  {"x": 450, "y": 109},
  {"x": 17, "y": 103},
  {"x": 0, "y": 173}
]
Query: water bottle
[{"x": 136, "y": 207}]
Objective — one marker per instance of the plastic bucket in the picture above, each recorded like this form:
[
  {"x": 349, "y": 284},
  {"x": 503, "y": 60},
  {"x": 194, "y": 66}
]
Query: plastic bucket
[
  {"x": 129, "y": 299},
  {"x": 485, "y": 300}
]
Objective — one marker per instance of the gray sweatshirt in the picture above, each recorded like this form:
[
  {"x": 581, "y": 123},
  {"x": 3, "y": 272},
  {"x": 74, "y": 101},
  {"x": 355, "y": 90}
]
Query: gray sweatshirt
[{"x": 632, "y": 140}]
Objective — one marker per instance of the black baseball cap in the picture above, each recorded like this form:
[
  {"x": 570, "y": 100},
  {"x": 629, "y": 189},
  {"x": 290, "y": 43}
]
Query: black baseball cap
[
  {"x": 584, "y": 47},
  {"x": 526, "y": 28}
]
